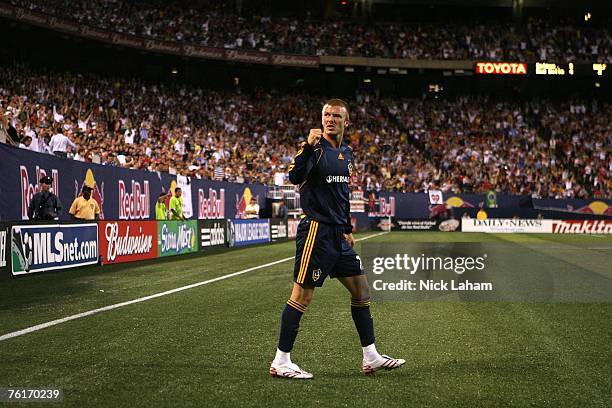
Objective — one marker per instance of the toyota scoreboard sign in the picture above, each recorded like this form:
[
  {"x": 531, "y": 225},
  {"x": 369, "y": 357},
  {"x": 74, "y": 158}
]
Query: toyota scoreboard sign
[
  {"x": 127, "y": 241},
  {"x": 38, "y": 248},
  {"x": 212, "y": 233}
]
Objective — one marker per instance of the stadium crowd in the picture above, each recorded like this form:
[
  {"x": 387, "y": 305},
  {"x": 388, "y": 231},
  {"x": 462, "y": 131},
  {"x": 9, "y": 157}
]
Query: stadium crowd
[
  {"x": 469, "y": 144},
  {"x": 217, "y": 25}
]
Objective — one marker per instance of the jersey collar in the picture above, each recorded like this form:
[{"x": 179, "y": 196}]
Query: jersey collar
[{"x": 324, "y": 141}]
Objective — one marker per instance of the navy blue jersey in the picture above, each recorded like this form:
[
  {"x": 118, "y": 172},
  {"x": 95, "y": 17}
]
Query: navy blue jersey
[{"x": 323, "y": 173}]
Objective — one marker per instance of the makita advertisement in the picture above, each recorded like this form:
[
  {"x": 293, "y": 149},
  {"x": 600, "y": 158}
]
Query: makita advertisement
[
  {"x": 278, "y": 230},
  {"x": 212, "y": 233},
  {"x": 127, "y": 241},
  {"x": 248, "y": 232},
  {"x": 582, "y": 227},
  {"x": 177, "y": 237},
  {"x": 506, "y": 225},
  {"x": 38, "y": 248},
  {"x": 5, "y": 253}
]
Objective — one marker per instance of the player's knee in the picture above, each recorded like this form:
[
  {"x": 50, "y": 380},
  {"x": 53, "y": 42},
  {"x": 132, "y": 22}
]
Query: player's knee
[
  {"x": 362, "y": 292},
  {"x": 304, "y": 298},
  {"x": 302, "y": 295}
]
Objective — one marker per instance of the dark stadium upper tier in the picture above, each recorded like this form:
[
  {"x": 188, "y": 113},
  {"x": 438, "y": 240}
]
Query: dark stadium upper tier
[{"x": 536, "y": 40}]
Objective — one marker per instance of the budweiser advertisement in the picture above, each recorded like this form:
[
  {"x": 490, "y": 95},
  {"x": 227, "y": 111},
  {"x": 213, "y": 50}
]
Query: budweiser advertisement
[
  {"x": 582, "y": 227},
  {"x": 127, "y": 241}
]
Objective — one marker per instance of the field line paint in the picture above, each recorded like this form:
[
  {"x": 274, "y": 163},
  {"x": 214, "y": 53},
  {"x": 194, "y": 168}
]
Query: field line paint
[{"x": 154, "y": 296}]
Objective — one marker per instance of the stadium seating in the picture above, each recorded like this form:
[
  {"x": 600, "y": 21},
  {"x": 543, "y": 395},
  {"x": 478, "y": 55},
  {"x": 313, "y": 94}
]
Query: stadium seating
[
  {"x": 218, "y": 25},
  {"x": 469, "y": 144}
]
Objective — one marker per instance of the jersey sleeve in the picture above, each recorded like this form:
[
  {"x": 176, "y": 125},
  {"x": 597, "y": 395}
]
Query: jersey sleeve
[{"x": 302, "y": 164}]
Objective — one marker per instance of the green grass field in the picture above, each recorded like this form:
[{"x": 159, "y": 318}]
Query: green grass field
[{"x": 212, "y": 345}]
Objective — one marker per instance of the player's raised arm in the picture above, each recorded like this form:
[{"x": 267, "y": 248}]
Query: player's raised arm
[{"x": 304, "y": 160}]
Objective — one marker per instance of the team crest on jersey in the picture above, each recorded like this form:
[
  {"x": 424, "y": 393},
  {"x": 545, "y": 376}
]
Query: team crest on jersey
[
  {"x": 316, "y": 274},
  {"x": 350, "y": 169},
  {"x": 340, "y": 156}
]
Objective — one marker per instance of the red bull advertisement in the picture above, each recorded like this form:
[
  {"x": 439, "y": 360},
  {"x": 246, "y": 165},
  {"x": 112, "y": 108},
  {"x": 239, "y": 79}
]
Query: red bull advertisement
[
  {"x": 596, "y": 207},
  {"x": 30, "y": 185},
  {"x": 125, "y": 194},
  {"x": 134, "y": 204},
  {"x": 458, "y": 202},
  {"x": 213, "y": 206},
  {"x": 384, "y": 208}
]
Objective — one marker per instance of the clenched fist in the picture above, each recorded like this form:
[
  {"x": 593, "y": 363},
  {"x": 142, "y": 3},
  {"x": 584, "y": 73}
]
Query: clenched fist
[{"x": 314, "y": 136}]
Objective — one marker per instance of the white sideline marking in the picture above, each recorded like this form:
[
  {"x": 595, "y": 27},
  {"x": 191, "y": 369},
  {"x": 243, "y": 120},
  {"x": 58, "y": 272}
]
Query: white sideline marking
[{"x": 156, "y": 295}]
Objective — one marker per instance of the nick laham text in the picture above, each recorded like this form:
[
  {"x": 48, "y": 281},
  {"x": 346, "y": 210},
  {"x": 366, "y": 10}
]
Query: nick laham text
[{"x": 432, "y": 285}]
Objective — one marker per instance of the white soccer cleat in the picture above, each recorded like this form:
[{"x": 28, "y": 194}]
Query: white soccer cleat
[
  {"x": 289, "y": 370},
  {"x": 382, "y": 363}
]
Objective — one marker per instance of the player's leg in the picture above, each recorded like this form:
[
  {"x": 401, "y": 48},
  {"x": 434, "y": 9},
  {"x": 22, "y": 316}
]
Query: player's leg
[
  {"x": 282, "y": 366},
  {"x": 299, "y": 300},
  {"x": 360, "y": 307},
  {"x": 359, "y": 289},
  {"x": 301, "y": 295}
]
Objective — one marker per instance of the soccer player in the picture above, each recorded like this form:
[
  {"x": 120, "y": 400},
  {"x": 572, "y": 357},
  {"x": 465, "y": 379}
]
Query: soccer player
[{"x": 324, "y": 242}]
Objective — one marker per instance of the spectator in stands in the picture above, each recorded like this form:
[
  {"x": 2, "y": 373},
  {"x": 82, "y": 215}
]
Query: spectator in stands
[
  {"x": 541, "y": 148},
  {"x": 60, "y": 143},
  {"x": 216, "y": 24}
]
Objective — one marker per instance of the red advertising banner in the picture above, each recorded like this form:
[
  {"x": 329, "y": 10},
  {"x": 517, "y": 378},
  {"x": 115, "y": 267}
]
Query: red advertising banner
[
  {"x": 127, "y": 241},
  {"x": 582, "y": 227}
]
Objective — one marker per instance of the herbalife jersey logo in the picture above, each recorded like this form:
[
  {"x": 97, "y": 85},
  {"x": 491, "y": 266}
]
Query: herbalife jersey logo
[{"x": 337, "y": 179}]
